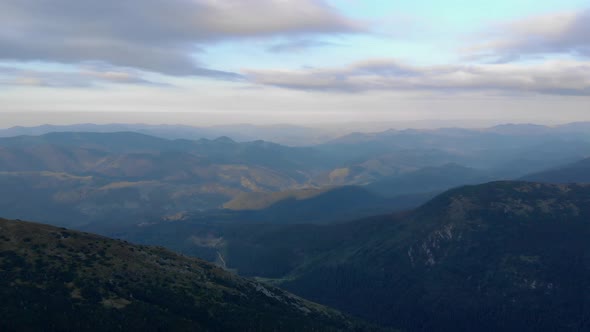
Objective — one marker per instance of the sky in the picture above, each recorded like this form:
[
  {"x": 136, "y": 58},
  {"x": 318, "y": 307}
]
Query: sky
[{"x": 206, "y": 62}]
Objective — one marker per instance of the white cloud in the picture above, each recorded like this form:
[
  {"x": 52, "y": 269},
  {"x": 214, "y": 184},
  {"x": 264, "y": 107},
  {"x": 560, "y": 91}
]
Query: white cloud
[
  {"x": 558, "y": 33},
  {"x": 550, "y": 77},
  {"x": 85, "y": 77}
]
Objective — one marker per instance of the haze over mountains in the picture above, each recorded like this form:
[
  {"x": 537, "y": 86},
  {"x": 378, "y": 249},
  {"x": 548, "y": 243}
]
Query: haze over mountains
[
  {"x": 380, "y": 226},
  {"x": 282, "y": 134},
  {"x": 286, "y": 134},
  {"x": 82, "y": 177}
]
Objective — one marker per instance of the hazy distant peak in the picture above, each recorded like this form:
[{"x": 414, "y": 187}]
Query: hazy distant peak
[
  {"x": 224, "y": 139},
  {"x": 520, "y": 129}
]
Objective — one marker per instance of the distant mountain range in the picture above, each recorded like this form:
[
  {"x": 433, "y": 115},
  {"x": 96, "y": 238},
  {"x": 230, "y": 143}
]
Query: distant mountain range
[
  {"x": 283, "y": 134},
  {"x": 53, "y": 279},
  {"x": 117, "y": 178},
  {"x": 86, "y": 177},
  {"x": 506, "y": 256},
  {"x": 509, "y": 150}
]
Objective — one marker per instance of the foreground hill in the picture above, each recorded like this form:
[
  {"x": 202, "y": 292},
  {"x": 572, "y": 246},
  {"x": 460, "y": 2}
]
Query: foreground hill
[
  {"x": 53, "y": 279},
  {"x": 502, "y": 256}
]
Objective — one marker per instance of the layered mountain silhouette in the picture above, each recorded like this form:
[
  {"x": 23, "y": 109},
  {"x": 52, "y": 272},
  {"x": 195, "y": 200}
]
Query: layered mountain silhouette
[
  {"x": 283, "y": 134},
  {"x": 80, "y": 178},
  {"x": 84, "y": 178}
]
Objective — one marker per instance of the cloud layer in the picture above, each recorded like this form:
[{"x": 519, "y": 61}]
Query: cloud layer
[
  {"x": 153, "y": 35},
  {"x": 551, "y": 77},
  {"x": 114, "y": 41}
]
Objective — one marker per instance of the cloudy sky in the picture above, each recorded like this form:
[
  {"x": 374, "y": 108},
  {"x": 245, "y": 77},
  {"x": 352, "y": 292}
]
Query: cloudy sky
[{"x": 297, "y": 61}]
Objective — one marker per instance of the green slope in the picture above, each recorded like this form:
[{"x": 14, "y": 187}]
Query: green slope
[{"x": 53, "y": 279}]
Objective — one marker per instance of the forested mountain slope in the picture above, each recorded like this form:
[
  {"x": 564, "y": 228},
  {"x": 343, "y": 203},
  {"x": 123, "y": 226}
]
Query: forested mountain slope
[{"x": 53, "y": 279}]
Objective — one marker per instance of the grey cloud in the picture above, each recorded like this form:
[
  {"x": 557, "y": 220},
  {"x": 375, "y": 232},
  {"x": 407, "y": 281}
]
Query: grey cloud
[
  {"x": 552, "y": 77},
  {"x": 153, "y": 35},
  {"x": 562, "y": 33}
]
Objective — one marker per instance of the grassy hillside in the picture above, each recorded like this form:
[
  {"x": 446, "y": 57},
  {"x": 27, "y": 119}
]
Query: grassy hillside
[{"x": 53, "y": 279}]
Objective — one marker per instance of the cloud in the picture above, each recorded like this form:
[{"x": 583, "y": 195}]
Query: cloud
[
  {"x": 298, "y": 45},
  {"x": 550, "y": 77},
  {"x": 153, "y": 35},
  {"x": 84, "y": 77},
  {"x": 561, "y": 33}
]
